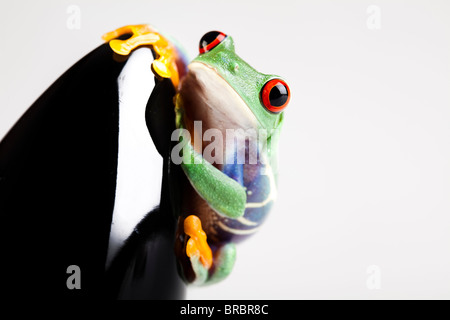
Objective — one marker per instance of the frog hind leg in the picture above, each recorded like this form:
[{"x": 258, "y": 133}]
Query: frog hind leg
[
  {"x": 223, "y": 262},
  {"x": 224, "y": 259},
  {"x": 209, "y": 266}
]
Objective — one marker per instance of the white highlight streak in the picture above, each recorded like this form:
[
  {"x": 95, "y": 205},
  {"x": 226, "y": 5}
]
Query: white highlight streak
[
  {"x": 237, "y": 231},
  {"x": 139, "y": 168}
]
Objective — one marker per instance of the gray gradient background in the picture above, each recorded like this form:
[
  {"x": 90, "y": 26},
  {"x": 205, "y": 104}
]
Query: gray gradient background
[{"x": 365, "y": 152}]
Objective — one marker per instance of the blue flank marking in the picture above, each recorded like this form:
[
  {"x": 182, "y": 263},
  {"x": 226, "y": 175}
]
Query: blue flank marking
[{"x": 234, "y": 171}]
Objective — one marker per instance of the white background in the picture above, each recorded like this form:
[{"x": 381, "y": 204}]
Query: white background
[{"x": 365, "y": 152}]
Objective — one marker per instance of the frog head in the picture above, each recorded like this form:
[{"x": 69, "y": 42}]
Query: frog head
[{"x": 223, "y": 81}]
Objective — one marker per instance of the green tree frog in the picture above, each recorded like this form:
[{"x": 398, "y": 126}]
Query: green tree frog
[{"x": 228, "y": 117}]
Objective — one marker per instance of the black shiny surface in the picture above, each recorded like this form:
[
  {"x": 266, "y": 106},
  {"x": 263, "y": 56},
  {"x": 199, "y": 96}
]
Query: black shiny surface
[{"x": 58, "y": 168}]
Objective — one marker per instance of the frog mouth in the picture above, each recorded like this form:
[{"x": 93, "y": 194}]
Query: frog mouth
[{"x": 209, "y": 98}]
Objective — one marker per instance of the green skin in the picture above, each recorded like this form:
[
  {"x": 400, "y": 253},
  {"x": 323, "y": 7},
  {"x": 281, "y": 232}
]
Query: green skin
[{"x": 223, "y": 194}]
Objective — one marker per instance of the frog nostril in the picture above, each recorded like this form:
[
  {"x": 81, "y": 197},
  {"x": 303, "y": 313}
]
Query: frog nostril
[
  {"x": 233, "y": 67},
  {"x": 210, "y": 40}
]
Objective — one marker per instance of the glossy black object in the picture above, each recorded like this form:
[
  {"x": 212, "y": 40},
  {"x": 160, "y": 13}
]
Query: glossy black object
[{"x": 58, "y": 168}]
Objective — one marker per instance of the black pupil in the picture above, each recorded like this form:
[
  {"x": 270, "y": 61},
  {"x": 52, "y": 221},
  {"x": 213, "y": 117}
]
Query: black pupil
[
  {"x": 208, "y": 38},
  {"x": 278, "y": 95}
]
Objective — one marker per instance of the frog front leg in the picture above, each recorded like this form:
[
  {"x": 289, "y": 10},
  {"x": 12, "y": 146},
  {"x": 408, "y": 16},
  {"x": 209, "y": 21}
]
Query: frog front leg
[{"x": 223, "y": 194}]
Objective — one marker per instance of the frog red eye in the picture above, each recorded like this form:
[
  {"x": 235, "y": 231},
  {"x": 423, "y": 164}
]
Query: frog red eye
[
  {"x": 275, "y": 95},
  {"x": 210, "y": 40}
]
